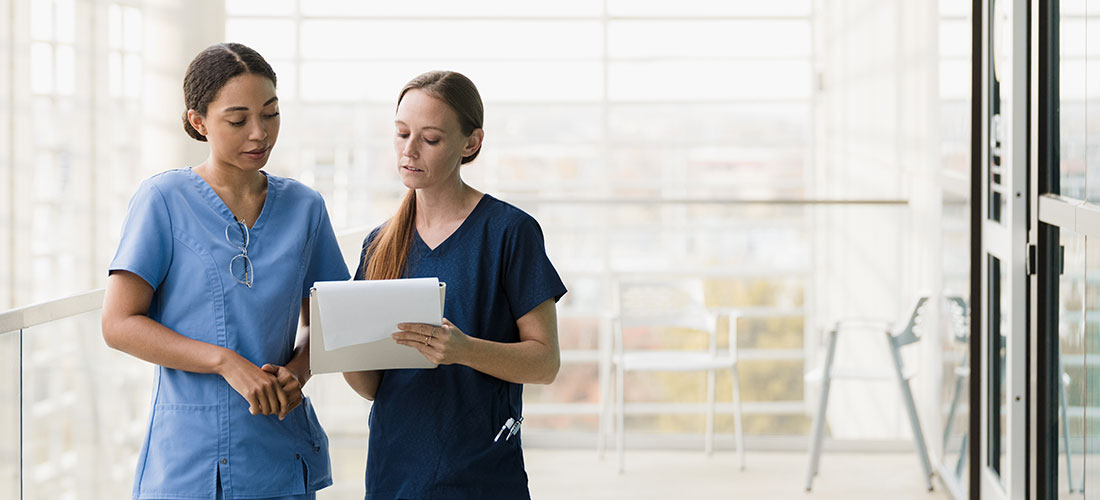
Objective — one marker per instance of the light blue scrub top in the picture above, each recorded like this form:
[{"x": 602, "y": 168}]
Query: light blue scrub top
[{"x": 200, "y": 430}]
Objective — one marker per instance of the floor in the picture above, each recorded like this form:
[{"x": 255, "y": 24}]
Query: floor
[{"x": 684, "y": 475}]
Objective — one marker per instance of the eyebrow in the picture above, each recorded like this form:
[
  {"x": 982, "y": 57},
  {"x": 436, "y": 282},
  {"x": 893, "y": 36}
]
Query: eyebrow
[{"x": 245, "y": 108}]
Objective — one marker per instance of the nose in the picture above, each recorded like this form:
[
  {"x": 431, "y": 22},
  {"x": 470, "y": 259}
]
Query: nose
[
  {"x": 410, "y": 149},
  {"x": 258, "y": 131}
]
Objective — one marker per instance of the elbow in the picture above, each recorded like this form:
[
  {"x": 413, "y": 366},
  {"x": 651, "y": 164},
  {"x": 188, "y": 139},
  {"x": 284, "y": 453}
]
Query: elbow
[
  {"x": 111, "y": 335},
  {"x": 361, "y": 384},
  {"x": 551, "y": 372}
]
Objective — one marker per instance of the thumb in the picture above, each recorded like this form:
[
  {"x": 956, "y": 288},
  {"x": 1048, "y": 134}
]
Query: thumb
[{"x": 270, "y": 368}]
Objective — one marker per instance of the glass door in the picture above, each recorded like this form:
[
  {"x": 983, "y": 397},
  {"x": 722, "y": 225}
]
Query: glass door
[{"x": 1004, "y": 245}]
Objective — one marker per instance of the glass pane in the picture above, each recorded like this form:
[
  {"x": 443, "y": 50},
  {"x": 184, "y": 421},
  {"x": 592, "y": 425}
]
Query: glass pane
[
  {"x": 1073, "y": 373},
  {"x": 85, "y": 411},
  {"x": 66, "y": 27},
  {"x": 114, "y": 26},
  {"x": 11, "y": 392},
  {"x": 131, "y": 29},
  {"x": 664, "y": 8},
  {"x": 447, "y": 8},
  {"x": 42, "y": 20},
  {"x": 1090, "y": 420},
  {"x": 265, "y": 8},
  {"x": 749, "y": 38},
  {"x": 1092, "y": 105},
  {"x": 695, "y": 81},
  {"x": 434, "y": 40},
  {"x": 381, "y": 82},
  {"x": 1073, "y": 108},
  {"x": 274, "y": 39},
  {"x": 42, "y": 68},
  {"x": 66, "y": 62}
]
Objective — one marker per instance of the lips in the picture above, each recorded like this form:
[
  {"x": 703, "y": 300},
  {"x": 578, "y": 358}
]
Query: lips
[
  {"x": 257, "y": 153},
  {"x": 411, "y": 168}
]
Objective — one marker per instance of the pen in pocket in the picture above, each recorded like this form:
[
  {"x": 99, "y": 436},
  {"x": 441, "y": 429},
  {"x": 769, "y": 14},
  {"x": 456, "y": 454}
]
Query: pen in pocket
[{"x": 507, "y": 425}]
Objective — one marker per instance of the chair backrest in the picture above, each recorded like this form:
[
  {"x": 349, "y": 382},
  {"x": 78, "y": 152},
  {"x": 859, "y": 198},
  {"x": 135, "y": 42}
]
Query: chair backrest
[
  {"x": 911, "y": 333},
  {"x": 663, "y": 303},
  {"x": 958, "y": 318}
]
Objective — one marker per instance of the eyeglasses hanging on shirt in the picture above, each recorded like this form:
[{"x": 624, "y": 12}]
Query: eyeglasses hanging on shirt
[{"x": 240, "y": 266}]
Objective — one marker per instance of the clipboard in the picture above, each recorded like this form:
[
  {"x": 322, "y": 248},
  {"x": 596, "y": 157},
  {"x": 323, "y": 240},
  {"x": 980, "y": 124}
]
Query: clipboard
[{"x": 381, "y": 354}]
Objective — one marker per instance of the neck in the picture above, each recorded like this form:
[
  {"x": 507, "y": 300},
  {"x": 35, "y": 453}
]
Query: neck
[
  {"x": 445, "y": 202},
  {"x": 228, "y": 178}
]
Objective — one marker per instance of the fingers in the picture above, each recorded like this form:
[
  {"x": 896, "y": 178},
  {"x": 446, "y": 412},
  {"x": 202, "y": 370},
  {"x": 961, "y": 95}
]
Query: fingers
[
  {"x": 253, "y": 404},
  {"x": 419, "y": 328}
]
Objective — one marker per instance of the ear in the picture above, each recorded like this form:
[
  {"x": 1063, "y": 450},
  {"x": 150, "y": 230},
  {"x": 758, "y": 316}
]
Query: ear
[
  {"x": 473, "y": 143},
  {"x": 197, "y": 121}
]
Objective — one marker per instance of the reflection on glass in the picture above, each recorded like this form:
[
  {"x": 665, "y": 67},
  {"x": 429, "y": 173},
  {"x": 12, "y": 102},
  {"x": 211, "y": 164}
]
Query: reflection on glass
[
  {"x": 85, "y": 408},
  {"x": 1090, "y": 340},
  {"x": 1072, "y": 370},
  {"x": 1072, "y": 102}
]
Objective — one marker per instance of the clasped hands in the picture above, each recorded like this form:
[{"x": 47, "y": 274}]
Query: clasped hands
[{"x": 269, "y": 390}]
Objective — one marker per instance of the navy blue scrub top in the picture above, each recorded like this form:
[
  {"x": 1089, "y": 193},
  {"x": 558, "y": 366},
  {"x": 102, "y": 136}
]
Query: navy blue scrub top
[
  {"x": 431, "y": 431},
  {"x": 199, "y": 427}
]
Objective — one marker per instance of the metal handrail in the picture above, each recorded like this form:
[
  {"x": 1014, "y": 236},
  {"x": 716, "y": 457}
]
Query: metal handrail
[{"x": 25, "y": 317}]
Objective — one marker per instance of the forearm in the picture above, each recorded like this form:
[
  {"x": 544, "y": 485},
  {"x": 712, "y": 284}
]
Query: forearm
[
  {"x": 364, "y": 383},
  {"x": 299, "y": 362},
  {"x": 146, "y": 339},
  {"x": 524, "y": 362}
]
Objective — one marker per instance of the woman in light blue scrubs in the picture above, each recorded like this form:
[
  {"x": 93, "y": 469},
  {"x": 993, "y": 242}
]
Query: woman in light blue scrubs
[
  {"x": 210, "y": 279},
  {"x": 453, "y": 432}
]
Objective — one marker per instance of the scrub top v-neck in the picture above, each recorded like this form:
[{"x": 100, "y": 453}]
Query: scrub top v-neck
[
  {"x": 431, "y": 431},
  {"x": 200, "y": 431}
]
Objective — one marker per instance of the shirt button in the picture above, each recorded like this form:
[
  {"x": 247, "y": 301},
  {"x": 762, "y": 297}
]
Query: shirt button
[
  {"x": 296, "y": 456},
  {"x": 223, "y": 461}
]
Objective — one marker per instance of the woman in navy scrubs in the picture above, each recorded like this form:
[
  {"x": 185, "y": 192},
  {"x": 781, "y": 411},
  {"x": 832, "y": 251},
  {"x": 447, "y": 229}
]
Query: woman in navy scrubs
[
  {"x": 212, "y": 270},
  {"x": 433, "y": 432}
]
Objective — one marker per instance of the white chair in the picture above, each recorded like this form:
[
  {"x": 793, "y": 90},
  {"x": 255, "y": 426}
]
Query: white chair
[
  {"x": 895, "y": 340},
  {"x": 659, "y": 303}
]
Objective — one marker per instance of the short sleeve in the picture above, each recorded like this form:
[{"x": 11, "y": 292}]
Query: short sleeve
[
  {"x": 360, "y": 271},
  {"x": 326, "y": 262},
  {"x": 145, "y": 247},
  {"x": 529, "y": 277}
]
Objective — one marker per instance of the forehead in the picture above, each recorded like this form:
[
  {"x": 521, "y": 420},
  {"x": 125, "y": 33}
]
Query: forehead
[
  {"x": 247, "y": 90},
  {"x": 418, "y": 109}
]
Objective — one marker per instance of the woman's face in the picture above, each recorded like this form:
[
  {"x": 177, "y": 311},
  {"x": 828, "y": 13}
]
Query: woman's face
[
  {"x": 242, "y": 122},
  {"x": 429, "y": 141}
]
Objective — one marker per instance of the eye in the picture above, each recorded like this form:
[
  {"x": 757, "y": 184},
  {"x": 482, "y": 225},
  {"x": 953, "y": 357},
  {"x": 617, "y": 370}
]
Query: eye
[
  {"x": 272, "y": 115},
  {"x": 403, "y": 135},
  {"x": 237, "y": 124},
  {"x": 432, "y": 142}
]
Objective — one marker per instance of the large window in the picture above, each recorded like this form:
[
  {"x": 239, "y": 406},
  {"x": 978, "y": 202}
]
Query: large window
[{"x": 607, "y": 123}]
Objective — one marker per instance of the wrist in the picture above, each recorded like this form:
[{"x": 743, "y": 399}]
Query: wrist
[
  {"x": 224, "y": 361},
  {"x": 299, "y": 368}
]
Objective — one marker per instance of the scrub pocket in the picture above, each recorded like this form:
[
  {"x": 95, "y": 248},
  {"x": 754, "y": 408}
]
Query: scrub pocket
[{"x": 182, "y": 451}]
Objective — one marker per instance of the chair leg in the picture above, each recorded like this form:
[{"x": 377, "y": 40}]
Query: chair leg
[
  {"x": 605, "y": 409},
  {"x": 954, "y": 409},
  {"x": 911, "y": 409},
  {"x": 962, "y": 456},
  {"x": 738, "y": 431},
  {"x": 620, "y": 407},
  {"x": 708, "y": 446},
  {"x": 819, "y": 417}
]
